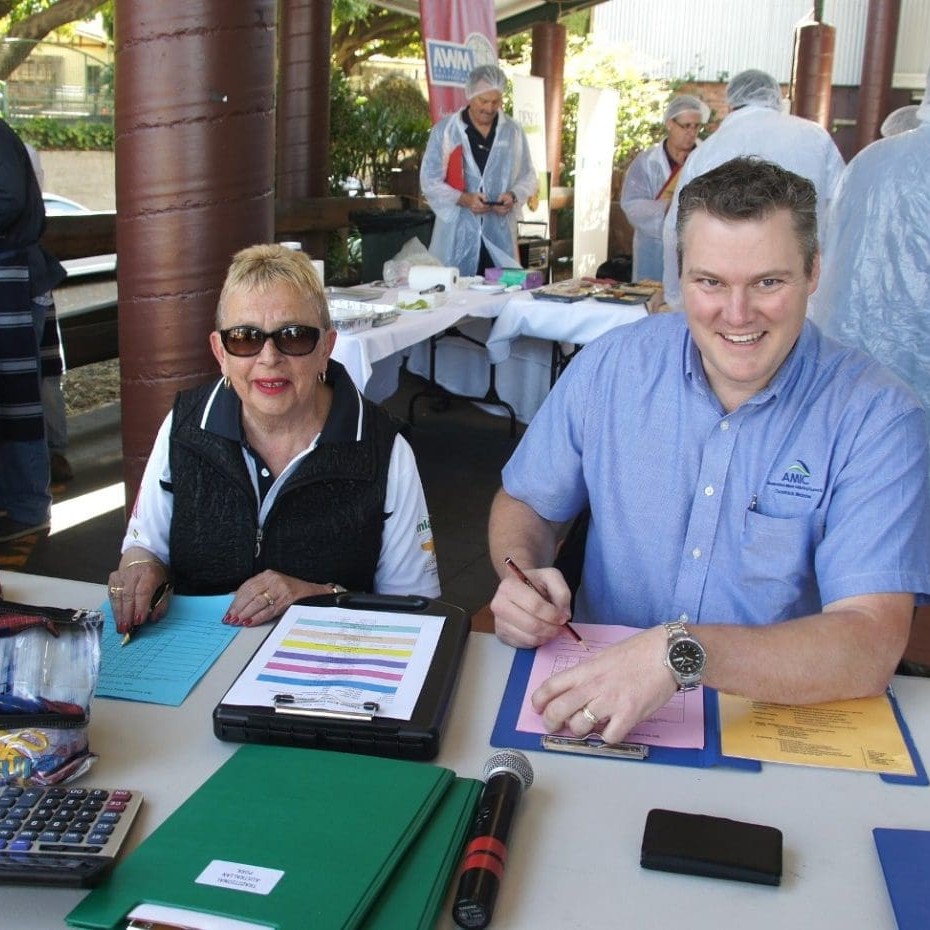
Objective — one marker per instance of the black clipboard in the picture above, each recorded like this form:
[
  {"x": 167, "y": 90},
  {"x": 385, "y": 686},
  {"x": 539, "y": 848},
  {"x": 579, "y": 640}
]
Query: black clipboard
[{"x": 368, "y": 733}]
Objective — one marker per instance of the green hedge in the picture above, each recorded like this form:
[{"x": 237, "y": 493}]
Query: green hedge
[{"x": 45, "y": 133}]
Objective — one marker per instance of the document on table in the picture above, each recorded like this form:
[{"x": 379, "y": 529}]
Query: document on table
[
  {"x": 680, "y": 723},
  {"x": 333, "y": 659},
  {"x": 861, "y": 734},
  {"x": 164, "y": 660}
]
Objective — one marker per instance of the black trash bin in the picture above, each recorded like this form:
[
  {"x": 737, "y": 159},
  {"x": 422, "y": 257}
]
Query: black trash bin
[{"x": 384, "y": 234}]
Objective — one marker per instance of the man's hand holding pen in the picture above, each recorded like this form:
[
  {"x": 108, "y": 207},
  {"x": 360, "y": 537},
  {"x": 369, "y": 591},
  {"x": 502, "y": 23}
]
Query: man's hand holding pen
[
  {"x": 138, "y": 591},
  {"x": 529, "y": 614}
]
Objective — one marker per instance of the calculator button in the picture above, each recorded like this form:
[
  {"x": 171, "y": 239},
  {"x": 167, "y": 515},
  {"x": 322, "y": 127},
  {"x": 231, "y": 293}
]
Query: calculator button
[
  {"x": 21, "y": 845},
  {"x": 72, "y": 837}
]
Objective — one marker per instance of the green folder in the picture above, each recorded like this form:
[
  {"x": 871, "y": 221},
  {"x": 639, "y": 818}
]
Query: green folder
[
  {"x": 416, "y": 891},
  {"x": 336, "y": 824}
]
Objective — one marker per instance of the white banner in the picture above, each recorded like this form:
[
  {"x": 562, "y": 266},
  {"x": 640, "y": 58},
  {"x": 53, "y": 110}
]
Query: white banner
[
  {"x": 458, "y": 35},
  {"x": 594, "y": 156},
  {"x": 529, "y": 110}
]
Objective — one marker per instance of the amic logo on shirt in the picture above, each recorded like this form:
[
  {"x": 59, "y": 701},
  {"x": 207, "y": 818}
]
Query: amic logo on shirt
[{"x": 797, "y": 480}]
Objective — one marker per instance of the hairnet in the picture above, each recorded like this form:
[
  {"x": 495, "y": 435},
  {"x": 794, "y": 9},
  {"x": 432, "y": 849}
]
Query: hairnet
[
  {"x": 900, "y": 120},
  {"x": 685, "y": 103},
  {"x": 923, "y": 111},
  {"x": 754, "y": 88},
  {"x": 484, "y": 78}
]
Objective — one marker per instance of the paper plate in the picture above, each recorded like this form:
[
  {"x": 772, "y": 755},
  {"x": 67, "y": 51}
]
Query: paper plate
[{"x": 488, "y": 288}]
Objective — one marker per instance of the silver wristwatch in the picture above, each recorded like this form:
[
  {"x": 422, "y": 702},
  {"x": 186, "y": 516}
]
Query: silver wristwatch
[{"x": 685, "y": 657}]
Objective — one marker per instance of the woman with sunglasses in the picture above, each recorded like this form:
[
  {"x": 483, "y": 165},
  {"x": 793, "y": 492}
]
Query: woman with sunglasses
[
  {"x": 651, "y": 181},
  {"x": 278, "y": 480}
]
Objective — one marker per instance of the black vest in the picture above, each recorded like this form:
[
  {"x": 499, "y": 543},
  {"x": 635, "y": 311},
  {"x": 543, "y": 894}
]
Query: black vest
[{"x": 324, "y": 526}]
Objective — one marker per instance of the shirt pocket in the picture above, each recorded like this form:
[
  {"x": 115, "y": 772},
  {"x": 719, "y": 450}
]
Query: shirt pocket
[{"x": 777, "y": 562}]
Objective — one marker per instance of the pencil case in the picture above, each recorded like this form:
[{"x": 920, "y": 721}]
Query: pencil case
[{"x": 49, "y": 664}]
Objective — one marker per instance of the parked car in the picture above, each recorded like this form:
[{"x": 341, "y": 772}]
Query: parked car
[{"x": 56, "y": 205}]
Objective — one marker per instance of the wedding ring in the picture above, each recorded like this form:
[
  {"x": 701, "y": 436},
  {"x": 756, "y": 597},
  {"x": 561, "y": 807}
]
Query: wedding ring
[
  {"x": 269, "y": 600},
  {"x": 588, "y": 715},
  {"x": 116, "y": 589}
]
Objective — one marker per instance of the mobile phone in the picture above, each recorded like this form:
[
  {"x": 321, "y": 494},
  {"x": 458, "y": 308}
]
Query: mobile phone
[{"x": 714, "y": 847}]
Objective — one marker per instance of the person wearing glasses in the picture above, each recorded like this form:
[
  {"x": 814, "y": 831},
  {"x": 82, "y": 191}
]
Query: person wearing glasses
[
  {"x": 652, "y": 178},
  {"x": 278, "y": 480},
  {"x": 757, "y": 125}
]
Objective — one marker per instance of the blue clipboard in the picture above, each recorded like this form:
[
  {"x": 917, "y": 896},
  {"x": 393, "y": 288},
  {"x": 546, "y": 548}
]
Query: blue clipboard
[
  {"x": 905, "y": 859},
  {"x": 506, "y": 734}
]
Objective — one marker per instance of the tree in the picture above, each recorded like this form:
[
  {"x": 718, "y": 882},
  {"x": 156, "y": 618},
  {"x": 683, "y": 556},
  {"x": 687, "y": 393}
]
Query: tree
[
  {"x": 33, "y": 20},
  {"x": 362, "y": 30}
]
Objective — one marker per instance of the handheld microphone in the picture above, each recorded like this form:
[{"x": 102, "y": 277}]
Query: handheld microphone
[{"x": 506, "y": 774}]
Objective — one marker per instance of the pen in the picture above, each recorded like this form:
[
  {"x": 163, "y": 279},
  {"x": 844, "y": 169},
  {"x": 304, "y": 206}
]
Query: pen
[
  {"x": 509, "y": 562},
  {"x": 754, "y": 502},
  {"x": 157, "y": 597}
]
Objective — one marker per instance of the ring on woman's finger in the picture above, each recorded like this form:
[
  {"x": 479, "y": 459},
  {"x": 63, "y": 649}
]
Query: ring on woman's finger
[
  {"x": 116, "y": 589},
  {"x": 588, "y": 715},
  {"x": 269, "y": 600}
]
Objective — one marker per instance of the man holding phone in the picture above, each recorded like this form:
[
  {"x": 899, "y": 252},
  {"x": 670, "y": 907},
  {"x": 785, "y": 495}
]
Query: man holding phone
[
  {"x": 476, "y": 173},
  {"x": 758, "y": 494}
]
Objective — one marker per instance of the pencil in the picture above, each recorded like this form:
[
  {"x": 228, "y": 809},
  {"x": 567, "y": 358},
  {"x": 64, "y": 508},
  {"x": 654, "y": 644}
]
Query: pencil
[{"x": 509, "y": 562}]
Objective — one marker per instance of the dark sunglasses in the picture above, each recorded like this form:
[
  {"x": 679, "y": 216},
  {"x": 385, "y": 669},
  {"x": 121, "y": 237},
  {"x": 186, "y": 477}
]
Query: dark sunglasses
[{"x": 244, "y": 341}]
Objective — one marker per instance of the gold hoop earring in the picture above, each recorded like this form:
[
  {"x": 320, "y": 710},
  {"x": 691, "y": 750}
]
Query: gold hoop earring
[
  {"x": 321, "y": 377},
  {"x": 226, "y": 382}
]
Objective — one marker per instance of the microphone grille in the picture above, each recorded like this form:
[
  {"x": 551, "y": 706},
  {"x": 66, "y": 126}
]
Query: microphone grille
[{"x": 512, "y": 762}]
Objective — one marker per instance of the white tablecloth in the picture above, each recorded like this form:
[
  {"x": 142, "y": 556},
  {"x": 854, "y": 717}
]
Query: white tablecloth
[
  {"x": 373, "y": 357},
  {"x": 578, "y": 323},
  {"x": 519, "y": 344}
]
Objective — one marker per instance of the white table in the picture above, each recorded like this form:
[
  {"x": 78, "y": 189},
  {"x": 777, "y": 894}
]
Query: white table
[
  {"x": 574, "y": 860},
  {"x": 521, "y": 343},
  {"x": 577, "y": 323},
  {"x": 373, "y": 357}
]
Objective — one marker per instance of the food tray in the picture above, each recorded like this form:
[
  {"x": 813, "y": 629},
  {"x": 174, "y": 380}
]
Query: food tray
[
  {"x": 619, "y": 298},
  {"x": 348, "y": 323},
  {"x": 383, "y": 317},
  {"x": 566, "y": 292}
]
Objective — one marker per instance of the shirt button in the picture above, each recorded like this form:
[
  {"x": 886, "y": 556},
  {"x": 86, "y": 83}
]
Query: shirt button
[
  {"x": 725, "y": 425},
  {"x": 266, "y": 473},
  {"x": 683, "y": 617},
  {"x": 696, "y": 553},
  {"x": 709, "y": 491}
]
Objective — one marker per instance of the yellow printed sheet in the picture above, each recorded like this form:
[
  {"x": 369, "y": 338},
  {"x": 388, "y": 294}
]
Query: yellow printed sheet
[{"x": 862, "y": 734}]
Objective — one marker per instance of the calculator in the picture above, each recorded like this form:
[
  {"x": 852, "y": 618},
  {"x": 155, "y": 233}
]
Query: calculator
[{"x": 63, "y": 836}]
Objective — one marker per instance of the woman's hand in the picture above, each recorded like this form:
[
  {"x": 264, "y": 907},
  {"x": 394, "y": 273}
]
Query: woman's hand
[
  {"x": 132, "y": 587},
  {"x": 264, "y": 597}
]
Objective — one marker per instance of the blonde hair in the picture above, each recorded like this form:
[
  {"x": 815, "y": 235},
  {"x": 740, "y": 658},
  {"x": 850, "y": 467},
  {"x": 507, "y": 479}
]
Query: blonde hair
[{"x": 260, "y": 267}]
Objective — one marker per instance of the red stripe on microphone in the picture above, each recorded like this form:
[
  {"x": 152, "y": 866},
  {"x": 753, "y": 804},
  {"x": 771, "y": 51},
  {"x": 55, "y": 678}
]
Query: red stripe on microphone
[
  {"x": 487, "y": 844},
  {"x": 479, "y": 860}
]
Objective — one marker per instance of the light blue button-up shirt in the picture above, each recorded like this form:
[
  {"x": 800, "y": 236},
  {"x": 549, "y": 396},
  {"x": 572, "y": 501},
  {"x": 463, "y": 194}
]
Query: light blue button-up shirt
[{"x": 814, "y": 490}]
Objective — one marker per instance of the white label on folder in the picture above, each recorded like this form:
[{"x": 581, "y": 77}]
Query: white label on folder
[{"x": 239, "y": 877}]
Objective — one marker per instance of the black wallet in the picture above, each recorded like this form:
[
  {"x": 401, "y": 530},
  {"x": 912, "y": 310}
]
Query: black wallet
[{"x": 698, "y": 844}]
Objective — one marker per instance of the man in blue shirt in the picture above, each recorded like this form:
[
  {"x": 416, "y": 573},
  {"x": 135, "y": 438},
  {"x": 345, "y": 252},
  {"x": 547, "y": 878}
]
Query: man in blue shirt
[{"x": 758, "y": 493}]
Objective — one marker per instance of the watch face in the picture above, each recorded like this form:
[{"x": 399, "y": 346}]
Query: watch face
[{"x": 686, "y": 657}]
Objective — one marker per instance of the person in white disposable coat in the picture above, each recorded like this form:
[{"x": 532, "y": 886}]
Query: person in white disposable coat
[
  {"x": 476, "y": 174},
  {"x": 652, "y": 178},
  {"x": 874, "y": 289},
  {"x": 757, "y": 126}
]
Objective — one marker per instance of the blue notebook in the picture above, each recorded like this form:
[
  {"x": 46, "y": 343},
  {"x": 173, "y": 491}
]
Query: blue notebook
[{"x": 905, "y": 858}]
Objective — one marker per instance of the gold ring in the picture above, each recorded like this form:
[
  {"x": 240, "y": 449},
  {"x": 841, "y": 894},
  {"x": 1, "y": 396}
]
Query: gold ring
[
  {"x": 116, "y": 589},
  {"x": 269, "y": 600},
  {"x": 588, "y": 715}
]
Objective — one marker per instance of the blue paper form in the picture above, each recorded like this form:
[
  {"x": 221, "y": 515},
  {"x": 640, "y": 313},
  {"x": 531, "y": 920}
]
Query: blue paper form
[{"x": 164, "y": 660}]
